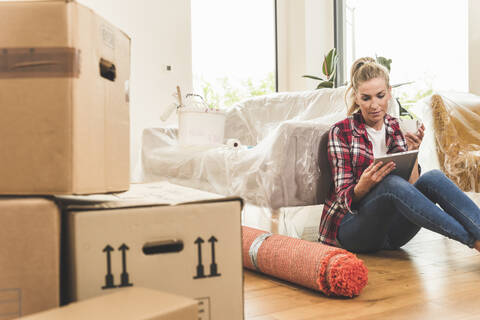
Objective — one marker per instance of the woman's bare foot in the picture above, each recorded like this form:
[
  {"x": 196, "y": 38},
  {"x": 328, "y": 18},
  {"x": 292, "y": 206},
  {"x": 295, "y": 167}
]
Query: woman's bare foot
[{"x": 476, "y": 245}]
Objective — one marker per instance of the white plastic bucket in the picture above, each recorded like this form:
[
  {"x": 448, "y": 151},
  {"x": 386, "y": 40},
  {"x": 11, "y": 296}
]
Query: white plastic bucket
[{"x": 200, "y": 127}]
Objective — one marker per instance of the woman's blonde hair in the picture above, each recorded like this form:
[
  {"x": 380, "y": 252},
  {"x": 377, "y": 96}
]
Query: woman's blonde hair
[{"x": 364, "y": 69}]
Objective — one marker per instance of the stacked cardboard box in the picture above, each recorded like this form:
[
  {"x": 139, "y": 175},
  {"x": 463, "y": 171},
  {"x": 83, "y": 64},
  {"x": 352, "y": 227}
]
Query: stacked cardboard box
[
  {"x": 159, "y": 236},
  {"x": 65, "y": 112},
  {"x": 29, "y": 256},
  {"x": 128, "y": 304},
  {"x": 64, "y": 75},
  {"x": 64, "y": 129}
]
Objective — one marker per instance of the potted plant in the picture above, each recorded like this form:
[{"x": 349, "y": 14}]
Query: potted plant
[{"x": 329, "y": 69}]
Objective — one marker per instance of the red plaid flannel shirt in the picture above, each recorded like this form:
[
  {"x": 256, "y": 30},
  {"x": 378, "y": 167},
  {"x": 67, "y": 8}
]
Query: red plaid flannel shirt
[{"x": 350, "y": 153}]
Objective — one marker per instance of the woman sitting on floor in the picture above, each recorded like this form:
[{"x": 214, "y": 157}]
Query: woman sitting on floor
[{"x": 370, "y": 210}]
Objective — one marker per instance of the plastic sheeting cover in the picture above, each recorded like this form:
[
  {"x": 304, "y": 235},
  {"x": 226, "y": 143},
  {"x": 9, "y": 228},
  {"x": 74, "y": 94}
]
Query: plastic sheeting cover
[
  {"x": 452, "y": 121},
  {"x": 275, "y": 167}
]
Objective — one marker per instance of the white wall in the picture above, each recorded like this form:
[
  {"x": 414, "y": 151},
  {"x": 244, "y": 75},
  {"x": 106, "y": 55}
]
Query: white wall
[
  {"x": 161, "y": 35},
  {"x": 474, "y": 46},
  {"x": 305, "y": 35},
  {"x": 319, "y": 19}
]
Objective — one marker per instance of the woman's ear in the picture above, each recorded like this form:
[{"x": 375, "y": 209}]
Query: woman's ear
[{"x": 355, "y": 98}]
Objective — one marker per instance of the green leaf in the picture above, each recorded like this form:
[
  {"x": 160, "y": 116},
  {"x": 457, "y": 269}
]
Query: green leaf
[
  {"x": 329, "y": 62},
  {"x": 325, "y": 84},
  {"x": 384, "y": 62},
  {"x": 313, "y": 77},
  {"x": 329, "y": 69},
  {"x": 334, "y": 72}
]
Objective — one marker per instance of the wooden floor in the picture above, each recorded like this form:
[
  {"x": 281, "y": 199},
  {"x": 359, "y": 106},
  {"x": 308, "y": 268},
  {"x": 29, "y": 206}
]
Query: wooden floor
[{"x": 430, "y": 278}]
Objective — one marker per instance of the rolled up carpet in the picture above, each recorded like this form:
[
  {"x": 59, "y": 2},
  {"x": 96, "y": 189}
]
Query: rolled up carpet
[{"x": 333, "y": 271}]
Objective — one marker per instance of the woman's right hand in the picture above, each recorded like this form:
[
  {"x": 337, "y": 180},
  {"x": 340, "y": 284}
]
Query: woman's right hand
[{"x": 370, "y": 177}]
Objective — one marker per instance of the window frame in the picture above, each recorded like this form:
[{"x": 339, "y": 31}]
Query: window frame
[{"x": 339, "y": 38}]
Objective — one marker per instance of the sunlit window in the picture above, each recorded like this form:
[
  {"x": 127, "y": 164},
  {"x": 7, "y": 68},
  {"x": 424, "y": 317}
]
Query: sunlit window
[
  {"x": 427, "y": 41},
  {"x": 233, "y": 48}
]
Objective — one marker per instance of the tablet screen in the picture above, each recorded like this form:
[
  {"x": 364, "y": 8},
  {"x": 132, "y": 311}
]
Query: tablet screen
[{"x": 404, "y": 162}]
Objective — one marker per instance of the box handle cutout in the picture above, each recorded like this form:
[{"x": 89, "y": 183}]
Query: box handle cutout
[
  {"x": 107, "y": 70},
  {"x": 159, "y": 247}
]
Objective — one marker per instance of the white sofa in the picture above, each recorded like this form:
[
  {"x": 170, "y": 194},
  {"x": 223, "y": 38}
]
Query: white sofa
[{"x": 280, "y": 169}]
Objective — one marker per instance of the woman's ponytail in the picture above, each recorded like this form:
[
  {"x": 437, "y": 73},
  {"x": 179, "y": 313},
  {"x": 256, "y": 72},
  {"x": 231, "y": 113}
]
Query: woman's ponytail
[{"x": 363, "y": 69}]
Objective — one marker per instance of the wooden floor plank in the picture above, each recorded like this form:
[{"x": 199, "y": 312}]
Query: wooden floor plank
[{"x": 430, "y": 278}]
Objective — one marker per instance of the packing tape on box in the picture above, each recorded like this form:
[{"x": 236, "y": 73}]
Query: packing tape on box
[{"x": 39, "y": 62}]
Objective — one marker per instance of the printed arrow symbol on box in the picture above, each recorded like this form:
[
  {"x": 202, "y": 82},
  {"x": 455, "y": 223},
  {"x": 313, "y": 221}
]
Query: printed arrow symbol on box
[
  {"x": 109, "y": 283},
  {"x": 212, "y": 240},
  {"x": 200, "y": 271},
  {"x": 213, "y": 265},
  {"x": 125, "y": 282},
  {"x": 124, "y": 248},
  {"x": 108, "y": 249},
  {"x": 199, "y": 242}
]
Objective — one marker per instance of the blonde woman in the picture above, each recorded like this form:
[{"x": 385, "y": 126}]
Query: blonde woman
[{"x": 370, "y": 210}]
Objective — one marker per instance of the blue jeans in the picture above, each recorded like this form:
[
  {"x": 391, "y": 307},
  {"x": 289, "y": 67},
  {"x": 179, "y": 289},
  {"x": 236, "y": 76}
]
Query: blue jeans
[{"x": 394, "y": 211}]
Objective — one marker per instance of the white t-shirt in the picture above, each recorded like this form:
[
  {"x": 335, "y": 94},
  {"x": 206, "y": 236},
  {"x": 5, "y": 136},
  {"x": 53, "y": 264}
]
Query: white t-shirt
[{"x": 377, "y": 138}]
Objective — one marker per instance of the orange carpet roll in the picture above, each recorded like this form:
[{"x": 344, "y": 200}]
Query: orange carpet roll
[{"x": 333, "y": 271}]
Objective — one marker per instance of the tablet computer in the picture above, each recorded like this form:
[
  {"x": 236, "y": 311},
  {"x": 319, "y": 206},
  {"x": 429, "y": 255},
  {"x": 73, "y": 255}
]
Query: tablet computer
[{"x": 404, "y": 162}]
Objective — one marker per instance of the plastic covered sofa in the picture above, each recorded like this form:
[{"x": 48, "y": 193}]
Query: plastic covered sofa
[
  {"x": 277, "y": 164},
  {"x": 452, "y": 141}
]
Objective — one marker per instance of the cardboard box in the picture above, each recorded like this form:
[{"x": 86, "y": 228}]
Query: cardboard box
[
  {"x": 130, "y": 304},
  {"x": 29, "y": 256},
  {"x": 64, "y": 72},
  {"x": 149, "y": 239}
]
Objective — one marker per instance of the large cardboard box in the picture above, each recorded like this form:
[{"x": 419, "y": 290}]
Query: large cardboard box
[
  {"x": 129, "y": 304},
  {"x": 158, "y": 236},
  {"x": 29, "y": 256},
  {"x": 64, "y": 122}
]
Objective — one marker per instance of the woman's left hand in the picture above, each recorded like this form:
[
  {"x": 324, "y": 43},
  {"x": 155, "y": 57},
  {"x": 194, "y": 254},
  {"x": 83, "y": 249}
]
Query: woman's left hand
[{"x": 414, "y": 140}]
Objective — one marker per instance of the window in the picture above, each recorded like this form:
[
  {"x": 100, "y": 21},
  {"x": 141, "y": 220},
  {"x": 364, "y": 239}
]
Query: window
[
  {"x": 233, "y": 49},
  {"x": 427, "y": 41}
]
